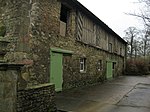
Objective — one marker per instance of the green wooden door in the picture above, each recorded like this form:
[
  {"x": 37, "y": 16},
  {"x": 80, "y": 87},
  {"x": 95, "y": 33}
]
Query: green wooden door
[
  {"x": 56, "y": 70},
  {"x": 109, "y": 72}
]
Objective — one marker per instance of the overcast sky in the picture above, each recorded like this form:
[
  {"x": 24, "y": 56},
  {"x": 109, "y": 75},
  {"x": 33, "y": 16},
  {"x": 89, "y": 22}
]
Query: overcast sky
[{"x": 112, "y": 13}]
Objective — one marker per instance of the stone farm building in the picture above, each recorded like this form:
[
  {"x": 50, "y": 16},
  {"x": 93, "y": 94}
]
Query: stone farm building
[{"x": 61, "y": 42}]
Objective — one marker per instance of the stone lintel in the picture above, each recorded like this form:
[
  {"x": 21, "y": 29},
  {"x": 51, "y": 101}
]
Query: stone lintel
[
  {"x": 58, "y": 50},
  {"x": 10, "y": 66}
]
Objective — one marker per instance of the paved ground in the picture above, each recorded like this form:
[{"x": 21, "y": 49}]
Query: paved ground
[{"x": 124, "y": 94}]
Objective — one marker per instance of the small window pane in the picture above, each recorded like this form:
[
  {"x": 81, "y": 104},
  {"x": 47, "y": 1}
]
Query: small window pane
[
  {"x": 110, "y": 47},
  {"x": 82, "y": 64},
  {"x": 99, "y": 65},
  {"x": 120, "y": 51}
]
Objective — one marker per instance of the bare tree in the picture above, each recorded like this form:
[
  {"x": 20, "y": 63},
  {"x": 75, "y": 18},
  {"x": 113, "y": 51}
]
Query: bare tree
[
  {"x": 146, "y": 42},
  {"x": 144, "y": 13},
  {"x": 138, "y": 42},
  {"x": 136, "y": 48},
  {"x": 130, "y": 36}
]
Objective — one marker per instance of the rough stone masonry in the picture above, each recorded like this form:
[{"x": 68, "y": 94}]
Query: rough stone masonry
[{"x": 33, "y": 27}]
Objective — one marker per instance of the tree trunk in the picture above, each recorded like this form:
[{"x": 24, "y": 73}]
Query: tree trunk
[{"x": 131, "y": 54}]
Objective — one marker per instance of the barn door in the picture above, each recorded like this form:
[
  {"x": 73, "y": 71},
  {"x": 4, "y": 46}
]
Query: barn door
[
  {"x": 109, "y": 72},
  {"x": 56, "y": 70}
]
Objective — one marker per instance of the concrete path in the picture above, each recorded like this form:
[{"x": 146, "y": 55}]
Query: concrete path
[{"x": 124, "y": 94}]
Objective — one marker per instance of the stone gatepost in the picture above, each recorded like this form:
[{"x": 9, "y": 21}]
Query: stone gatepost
[{"x": 8, "y": 80}]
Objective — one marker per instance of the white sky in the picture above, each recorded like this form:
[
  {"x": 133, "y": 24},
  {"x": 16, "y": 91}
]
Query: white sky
[{"x": 112, "y": 13}]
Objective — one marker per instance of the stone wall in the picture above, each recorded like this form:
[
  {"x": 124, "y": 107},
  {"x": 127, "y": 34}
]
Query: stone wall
[
  {"x": 8, "y": 86},
  {"x": 33, "y": 27},
  {"x": 36, "y": 99},
  {"x": 7, "y": 91},
  {"x": 72, "y": 77}
]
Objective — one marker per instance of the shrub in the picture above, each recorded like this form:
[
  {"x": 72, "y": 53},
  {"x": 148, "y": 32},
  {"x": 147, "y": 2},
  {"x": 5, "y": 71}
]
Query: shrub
[{"x": 137, "y": 67}]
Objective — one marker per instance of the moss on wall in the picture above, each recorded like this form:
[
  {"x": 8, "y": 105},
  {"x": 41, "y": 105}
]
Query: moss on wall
[{"x": 2, "y": 29}]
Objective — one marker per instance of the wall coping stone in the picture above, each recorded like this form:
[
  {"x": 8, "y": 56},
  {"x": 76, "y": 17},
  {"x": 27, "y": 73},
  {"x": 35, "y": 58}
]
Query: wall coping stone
[{"x": 39, "y": 86}]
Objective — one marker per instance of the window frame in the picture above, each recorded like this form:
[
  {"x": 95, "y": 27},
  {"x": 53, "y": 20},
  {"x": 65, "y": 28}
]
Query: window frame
[
  {"x": 82, "y": 64},
  {"x": 113, "y": 65},
  {"x": 120, "y": 50},
  {"x": 64, "y": 19},
  {"x": 64, "y": 13},
  {"x": 110, "y": 48},
  {"x": 100, "y": 65}
]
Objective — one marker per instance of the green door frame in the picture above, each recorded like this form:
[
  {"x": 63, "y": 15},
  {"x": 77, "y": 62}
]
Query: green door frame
[
  {"x": 62, "y": 51},
  {"x": 109, "y": 69},
  {"x": 56, "y": 70},
  {"x": 56, "y": 66}
]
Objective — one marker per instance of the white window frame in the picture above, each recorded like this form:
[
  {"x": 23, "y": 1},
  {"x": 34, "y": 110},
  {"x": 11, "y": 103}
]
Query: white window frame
[
  {"x": 100, "y": 65},
  {"x": 82, "y": 64}
]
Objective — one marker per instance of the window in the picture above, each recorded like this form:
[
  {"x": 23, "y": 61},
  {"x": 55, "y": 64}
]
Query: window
[
  {"x": 113, "y": 66},
  {"x": 99, "y": 65},
  {"x": 110, "y": 47},
  {"x": 82, "y": 64},
  {"x": 120, "y": 51},
  {"x": 98, "y": 36},
  {"x": 64, "y": 15}
]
